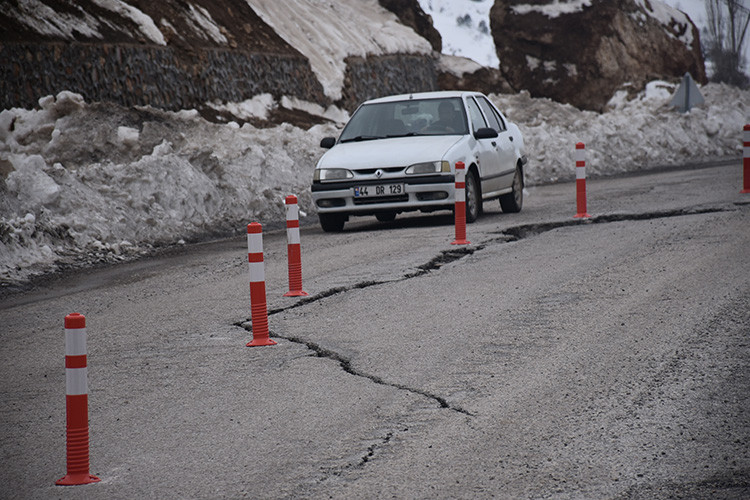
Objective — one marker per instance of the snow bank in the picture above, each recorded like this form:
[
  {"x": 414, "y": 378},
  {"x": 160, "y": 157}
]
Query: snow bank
[
  {"x": 99, "y": 182},
  {"x": 633, "y": 135},
  {"x": 81, "y": 183}
]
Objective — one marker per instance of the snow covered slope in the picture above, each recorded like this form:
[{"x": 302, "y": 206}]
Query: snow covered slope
[{"x": 325, "y": 34}]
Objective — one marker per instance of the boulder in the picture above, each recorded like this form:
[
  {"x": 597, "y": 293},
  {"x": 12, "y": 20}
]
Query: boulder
[
  {"x": 411, "y": 14},
  {"x": 581, "y": 51}
]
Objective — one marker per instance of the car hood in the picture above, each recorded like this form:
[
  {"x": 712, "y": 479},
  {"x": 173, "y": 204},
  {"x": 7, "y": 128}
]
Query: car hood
[{"x": 392, "y": 152}]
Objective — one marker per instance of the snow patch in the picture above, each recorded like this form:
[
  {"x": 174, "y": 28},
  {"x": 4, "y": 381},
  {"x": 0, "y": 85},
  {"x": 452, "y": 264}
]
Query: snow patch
[
  {"x": 261, "y": 105},
  {"x": 464, "y": 28},
  {"x": 333, "y": 113},
  {"x": 144, "y": 22},
  {"x": 659, "y": 91},
  {"x": 127, "y": 136},
  {"x": 554, "y": 9},
  {"x": 257, "y": 107},
  {"x": 571, "y": 69},
  {"x": 458, "y": 66},
  {"x": 532, "y": 62},
  {"x": 29, "y": 182},
  {"x": 46, "y": 21},
  {"x": 210, "y": 30},
  {"x": 668, "y": 17}
]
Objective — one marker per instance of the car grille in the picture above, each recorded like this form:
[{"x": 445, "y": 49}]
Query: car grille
[
  {"x": 371, "y": 171},
  {"x": 381, "y": 199}
]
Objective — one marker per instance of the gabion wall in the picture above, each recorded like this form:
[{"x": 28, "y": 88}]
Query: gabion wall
[{"x": 168, "y": 79}]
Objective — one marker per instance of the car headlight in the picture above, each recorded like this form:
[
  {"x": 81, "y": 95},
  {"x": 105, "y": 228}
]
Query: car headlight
[
  {"x": 430, "y": 167},
  {"x": 332, "y": 174}
]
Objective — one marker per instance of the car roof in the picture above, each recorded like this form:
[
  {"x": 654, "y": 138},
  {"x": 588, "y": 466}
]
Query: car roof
[{"x": 423, "y": 95}]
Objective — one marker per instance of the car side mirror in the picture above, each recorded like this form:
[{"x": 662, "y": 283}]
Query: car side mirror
[
  {"x": 327, "y": 142},
  {"x": 485, "y": 133}
]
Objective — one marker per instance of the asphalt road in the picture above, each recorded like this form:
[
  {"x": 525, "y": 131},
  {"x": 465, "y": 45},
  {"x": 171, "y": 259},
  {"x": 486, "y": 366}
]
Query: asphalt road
[{"x": 551, "y": 358}]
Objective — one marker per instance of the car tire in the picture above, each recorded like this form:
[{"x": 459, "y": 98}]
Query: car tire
[
  {"x": 332, "y": 223},
  {"x": 473, "y": 197},
  {"x": 386, "y": 216},
  {"x": 513, "y": 201}
]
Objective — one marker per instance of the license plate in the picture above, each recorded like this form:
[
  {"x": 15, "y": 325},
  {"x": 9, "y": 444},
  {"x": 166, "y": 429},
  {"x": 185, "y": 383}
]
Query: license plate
[{"x": 379, "y": 190}]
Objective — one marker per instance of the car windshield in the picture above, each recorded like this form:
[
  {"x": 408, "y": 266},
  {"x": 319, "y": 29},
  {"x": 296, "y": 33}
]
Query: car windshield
[{"x": 406, "y": 118}]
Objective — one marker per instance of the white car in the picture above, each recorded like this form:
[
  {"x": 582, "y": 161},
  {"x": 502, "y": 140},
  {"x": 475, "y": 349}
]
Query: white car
[{"x": 399, "y": 153}]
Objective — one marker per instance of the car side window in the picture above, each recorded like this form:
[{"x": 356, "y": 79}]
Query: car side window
[
  {"x": 477, "y": 121},
  {"x": 493, "y": 117}
]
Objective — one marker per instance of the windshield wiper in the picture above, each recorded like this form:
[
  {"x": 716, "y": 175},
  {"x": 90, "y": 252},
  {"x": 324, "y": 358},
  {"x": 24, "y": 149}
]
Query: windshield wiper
[
  {"x": 360, "y": 138},
  {"x": 408, "y": 134}
]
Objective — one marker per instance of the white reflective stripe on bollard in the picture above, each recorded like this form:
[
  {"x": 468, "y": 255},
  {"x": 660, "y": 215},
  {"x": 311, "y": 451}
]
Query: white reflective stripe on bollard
[
  {"x": 75, "y": 341},
  {"x": 292, "y": 235},
  {"x": 580, "y": 155},
  {"x": 76, "y": 381},
  {"x": 255, "y": 243},
  {"x": 292, "y": 211},
  {"x": 257, "y": 272}
]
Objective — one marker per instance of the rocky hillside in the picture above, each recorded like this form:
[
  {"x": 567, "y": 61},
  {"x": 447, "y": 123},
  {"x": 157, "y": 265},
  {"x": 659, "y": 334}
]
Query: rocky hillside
[
  {"x": 581, "y": 52},
  {"x": 177, "y": 54}
]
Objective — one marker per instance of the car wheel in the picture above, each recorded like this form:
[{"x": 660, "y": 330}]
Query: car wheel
[
  {"x": 332, "y": 223},
  {"x": 473, "y": 197},
  {"x": 513, "y": 201},
  {"x": 386, "y": 216}
]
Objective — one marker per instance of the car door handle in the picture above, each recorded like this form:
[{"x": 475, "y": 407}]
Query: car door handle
[{"x": 494, "y": 143}]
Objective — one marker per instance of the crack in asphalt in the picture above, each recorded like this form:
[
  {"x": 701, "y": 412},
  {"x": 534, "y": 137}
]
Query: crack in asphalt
[
  {"x": 367, "y": 457},
  {"x": 346, "y": 365},
  {"x": 511, "y": 234},
  {"x": 371, "y": 449},
  {"x": 528, "y": 230},
  {"x": 445, "y": 257}
]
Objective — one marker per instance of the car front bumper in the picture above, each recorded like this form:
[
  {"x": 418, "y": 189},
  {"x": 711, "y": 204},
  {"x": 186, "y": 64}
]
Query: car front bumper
[{"x": 425, "y": 193}]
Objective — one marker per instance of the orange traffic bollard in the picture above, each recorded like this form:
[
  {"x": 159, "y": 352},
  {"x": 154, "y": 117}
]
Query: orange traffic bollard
[
  {"x": 258, "y": 306},
  {"x": 77, "y": 403},
  {"x": 581, "y": 182},
  {"x": 294, "y": 248},
  {"x": 746, "y": 160},
  {"x": 460, "y": 206}
]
